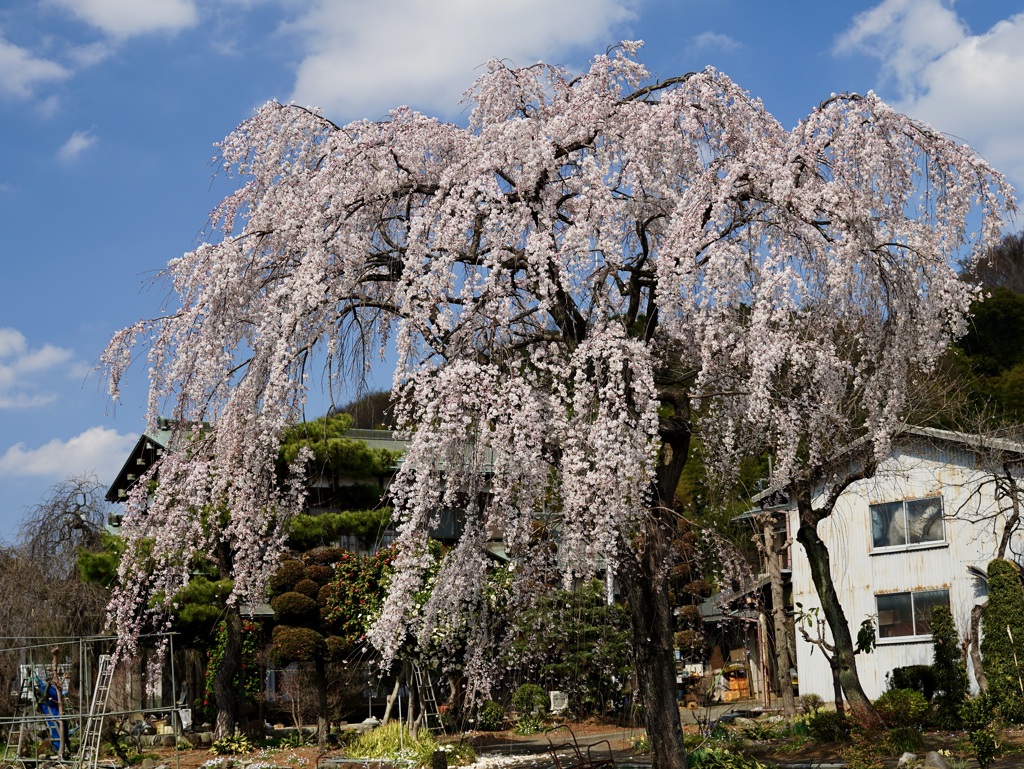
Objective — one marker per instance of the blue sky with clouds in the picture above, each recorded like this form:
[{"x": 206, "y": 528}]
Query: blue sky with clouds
[{"x": 109, "y": 109}]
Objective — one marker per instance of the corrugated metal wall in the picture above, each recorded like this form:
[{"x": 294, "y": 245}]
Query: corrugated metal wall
[{"x": 860, "y": 573}]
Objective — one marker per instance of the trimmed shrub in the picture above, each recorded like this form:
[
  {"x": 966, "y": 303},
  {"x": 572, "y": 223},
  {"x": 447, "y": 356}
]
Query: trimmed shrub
[
  {"x": 284, "y": 579},
  {"x": 295, "y": 609},
  {"x": 920, "y": 678},
  {"x": 902, "y": 707},
  {"x": 319, "y": 573},
  {"x": 296, "y": 644},
  {"x": 308, "y": 588},
  {"x": 337, "y": 648},
  {"x": 323, "y": 556}
]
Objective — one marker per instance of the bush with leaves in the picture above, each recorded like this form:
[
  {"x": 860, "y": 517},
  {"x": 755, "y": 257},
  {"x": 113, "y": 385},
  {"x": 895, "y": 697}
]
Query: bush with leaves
[
  {"x": 828, "y": 726},
  {"x": 295, "y": 609},
  {"x": 902, "y": 707},
  {"x": 863, "y": 752},
  {"x": 231, "y": 746},
  {"x": 492, "y": 717},
  {"x": 811, "y": 702},
  {"x": 979, "y": 715},
  {"x": 296, "y": 644},
  {"x": 529, "y": 723},
  {"x": 903, "y": 739},
  {"x": 529, "y": 698},
  {"x": 721, "y": 758},
  {"x": 393, "y": 743},
  {"x": 351, "y": 601}
]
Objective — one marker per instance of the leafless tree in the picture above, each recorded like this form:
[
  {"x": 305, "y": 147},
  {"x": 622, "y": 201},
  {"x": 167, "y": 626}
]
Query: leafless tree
[
  {"x": 71, "y": 517},
  {"x": 1003, "y": 264}
]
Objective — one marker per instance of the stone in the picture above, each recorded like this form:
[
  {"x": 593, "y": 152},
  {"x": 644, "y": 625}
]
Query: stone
[
  {"x": 907, "y": 759},
  {"x": 936, "y": 761}
]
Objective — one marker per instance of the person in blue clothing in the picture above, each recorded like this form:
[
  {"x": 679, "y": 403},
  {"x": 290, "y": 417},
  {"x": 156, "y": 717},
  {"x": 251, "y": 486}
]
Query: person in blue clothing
[{"x": 50, "y": 702}]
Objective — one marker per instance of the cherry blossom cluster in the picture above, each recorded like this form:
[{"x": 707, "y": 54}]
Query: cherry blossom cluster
[{"x": 546, "y": 274}]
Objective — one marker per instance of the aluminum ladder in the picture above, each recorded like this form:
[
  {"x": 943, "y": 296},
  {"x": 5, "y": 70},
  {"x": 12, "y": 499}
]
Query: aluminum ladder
[
  {"x": 88, "y": 753},
  {"x": 425, "y": 689}
]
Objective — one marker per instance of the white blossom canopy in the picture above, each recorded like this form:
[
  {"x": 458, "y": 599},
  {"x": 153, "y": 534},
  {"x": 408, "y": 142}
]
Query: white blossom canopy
[{"x": 583, "y": 251}]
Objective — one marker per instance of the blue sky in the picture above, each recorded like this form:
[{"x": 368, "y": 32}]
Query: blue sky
[{"x": 109, "y": 110}]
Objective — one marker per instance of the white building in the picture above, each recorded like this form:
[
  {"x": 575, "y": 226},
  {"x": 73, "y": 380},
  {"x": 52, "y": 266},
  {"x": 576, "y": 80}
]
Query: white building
[{"x": 914, "y": 536}]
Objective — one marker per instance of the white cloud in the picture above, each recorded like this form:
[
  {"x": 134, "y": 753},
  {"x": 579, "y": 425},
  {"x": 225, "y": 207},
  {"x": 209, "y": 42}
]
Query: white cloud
[
  {"x": 962, "y": 83},
  {"x": 22, "y": 71},
  {"x": 47, "y": 108},
  {"x": 76, "y": 144},
  {"x": 906, "y": 35},
  {"x": 89, "y": 55},
  {"x": 124, "y": 18},
  {"x": 99, "y": 449},
  {"x": 367, "y": 56},
  {"x": 20, "y": 366},
  {"x": 715, "y": 41}
]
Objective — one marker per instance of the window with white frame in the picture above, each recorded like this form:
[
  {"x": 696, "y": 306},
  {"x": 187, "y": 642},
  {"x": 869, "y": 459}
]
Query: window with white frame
[
  {"x": 908, "y": 614},
  {"x": 907, "y": 523}
]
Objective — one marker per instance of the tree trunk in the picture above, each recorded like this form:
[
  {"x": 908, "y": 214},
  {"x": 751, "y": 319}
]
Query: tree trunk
[
  {"x": 224, "y": 688},
  {"x": 1010, "y": 527},
  {"x": 844, "y": 654},
  {"x": 645, "y": 584},
  {"x": 392, "y": 699},
  {"x": 783, "y": 664},
  {"x": 975, "y": 647},
  {"x": 837, "y": 686},
  {"x": 322, "y": 723}
]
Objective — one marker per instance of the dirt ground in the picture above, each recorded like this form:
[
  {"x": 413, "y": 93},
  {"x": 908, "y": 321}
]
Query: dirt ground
[
  {"x": 619, "y": 741},
  {"x": 489, "y": 744}
]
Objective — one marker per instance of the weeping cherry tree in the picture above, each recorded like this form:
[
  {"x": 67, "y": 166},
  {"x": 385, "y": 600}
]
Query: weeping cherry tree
[{"x": 568, "y": 280}]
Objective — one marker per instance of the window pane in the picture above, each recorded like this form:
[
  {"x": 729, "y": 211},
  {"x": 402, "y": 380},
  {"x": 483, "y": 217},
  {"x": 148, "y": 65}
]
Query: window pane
[
  {"x": 895, "y": 617},
  {"x": 924, "y": 602},
  {"x": 887, "y": 524},
  {"x": 924, "y": 520}
]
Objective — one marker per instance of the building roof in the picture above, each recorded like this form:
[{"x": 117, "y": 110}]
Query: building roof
[
  {"x": 775, "y": 496},
  {"x": 151, "y": 444}
]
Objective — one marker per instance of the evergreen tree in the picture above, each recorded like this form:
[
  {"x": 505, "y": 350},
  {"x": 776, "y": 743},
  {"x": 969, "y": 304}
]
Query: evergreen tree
[
  {"x": 1002, "y": 647},
  {"x": 949, "y": 668}
]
